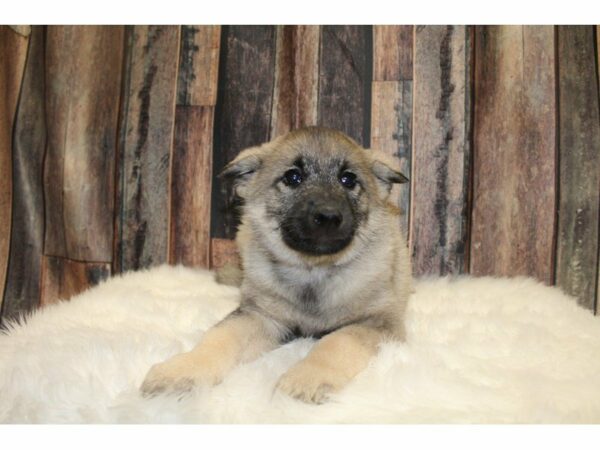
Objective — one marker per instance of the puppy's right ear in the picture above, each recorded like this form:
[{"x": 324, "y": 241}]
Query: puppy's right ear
[{"x": 239, "y": 171}]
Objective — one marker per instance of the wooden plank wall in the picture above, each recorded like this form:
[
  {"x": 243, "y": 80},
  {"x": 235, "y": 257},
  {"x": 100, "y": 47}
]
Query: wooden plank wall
[
  {"x": 111, "y": 139},
  {"x": 392, "y": 104},
  {"x": 441, "y": 150},
  {"x": 146, "y": 139},
  {"x": 579, "y": 175},
  {"x": 13, "y": 52},
  {"x": 514, "y": 171},
  {"x": 29, "y": 133}
]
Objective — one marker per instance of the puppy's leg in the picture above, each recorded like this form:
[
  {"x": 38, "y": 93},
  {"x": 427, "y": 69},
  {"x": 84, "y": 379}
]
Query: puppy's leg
[
  {"x": 335, "y": 360},
  {"x": 241, "y": 336}
]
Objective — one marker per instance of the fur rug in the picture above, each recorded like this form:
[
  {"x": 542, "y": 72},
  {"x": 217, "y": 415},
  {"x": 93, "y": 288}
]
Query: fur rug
[{"x": 478, "y": 351}]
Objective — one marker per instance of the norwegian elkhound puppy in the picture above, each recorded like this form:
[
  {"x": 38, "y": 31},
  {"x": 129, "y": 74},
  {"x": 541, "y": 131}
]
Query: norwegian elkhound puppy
[{"x": 322, "y": 256}]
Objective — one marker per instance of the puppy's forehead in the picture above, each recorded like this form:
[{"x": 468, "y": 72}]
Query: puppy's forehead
[{"x": 320, "y": 148}]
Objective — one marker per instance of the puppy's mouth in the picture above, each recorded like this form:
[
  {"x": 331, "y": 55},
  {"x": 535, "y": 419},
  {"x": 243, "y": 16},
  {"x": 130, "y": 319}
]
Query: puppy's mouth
[{"x": 315, "y": 241}]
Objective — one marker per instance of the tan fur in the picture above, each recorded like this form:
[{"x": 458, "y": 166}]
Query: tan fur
[
  {"x": 234, "y": 340},
  {"x": 334, "y": 361},
  {"x": 360, "y": 292}
]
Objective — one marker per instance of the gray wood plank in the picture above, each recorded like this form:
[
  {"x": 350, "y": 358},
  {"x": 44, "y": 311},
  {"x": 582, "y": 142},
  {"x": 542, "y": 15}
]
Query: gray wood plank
[
  {"x": 243, "y": 111},
  {"x": 579, "y": 165},
  {"x": 345, "y": 75},
  {"x": 15, "y": 79},
  {"x": 146, "y": 144},
  {"x": 441, "y": 150}
]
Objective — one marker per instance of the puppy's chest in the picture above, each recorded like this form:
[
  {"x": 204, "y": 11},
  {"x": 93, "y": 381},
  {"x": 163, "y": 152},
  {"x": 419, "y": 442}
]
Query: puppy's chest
[{"x": 319, "y": 292}]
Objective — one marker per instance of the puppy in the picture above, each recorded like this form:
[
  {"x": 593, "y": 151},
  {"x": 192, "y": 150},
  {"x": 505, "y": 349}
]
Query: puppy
[{"x": 322, "y": 256}]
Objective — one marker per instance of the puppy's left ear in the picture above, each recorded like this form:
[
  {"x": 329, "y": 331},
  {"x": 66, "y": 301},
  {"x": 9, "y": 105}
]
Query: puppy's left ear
[{"x": 386, "y": 171}]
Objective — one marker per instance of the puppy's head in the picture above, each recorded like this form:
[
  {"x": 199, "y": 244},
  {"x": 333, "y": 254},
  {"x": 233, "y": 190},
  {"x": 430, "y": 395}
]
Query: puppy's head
[{"x": 309, "y": 194}]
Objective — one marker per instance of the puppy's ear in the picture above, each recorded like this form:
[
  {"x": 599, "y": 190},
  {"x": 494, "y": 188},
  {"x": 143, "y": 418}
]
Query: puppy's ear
[
  {"x": 239, "y": 171},
  {"x": 386, "y": 171}
]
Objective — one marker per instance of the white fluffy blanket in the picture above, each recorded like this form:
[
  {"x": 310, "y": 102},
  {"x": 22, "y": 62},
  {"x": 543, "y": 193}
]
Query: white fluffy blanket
[{"x": 478, "y": 350}]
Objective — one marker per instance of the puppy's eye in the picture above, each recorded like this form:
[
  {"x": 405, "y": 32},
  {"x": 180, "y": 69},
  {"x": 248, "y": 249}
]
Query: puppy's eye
[
  {"x": 292, "y": 177},
  {"x": 348, "y": 180}
]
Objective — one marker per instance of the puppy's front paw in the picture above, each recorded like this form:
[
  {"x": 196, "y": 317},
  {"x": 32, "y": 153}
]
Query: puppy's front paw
[
  {"x": 311, "y": 383},
  {"x": 178, "y": 376}
]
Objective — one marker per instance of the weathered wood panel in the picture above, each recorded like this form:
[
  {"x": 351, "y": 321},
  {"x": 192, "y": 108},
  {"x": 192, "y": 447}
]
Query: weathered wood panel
[
  {"x": 392, "y": 104},
  {"x": 63, "y": 278},
  {"x": 579, "y": 165},
  {"x": 391, "y": 129},
  {"x": 13, "y": 50},
  {"x": 441, "y": 150},
  {"x": 514, "y": 144},
  {"x": 191, "y": 186},
  {"x": 222, "y": 252},
  {"x": 598, "y": 67},
  {"x": 22, "y": 291},
  {"x": 145, "y": 147},
  {"x": 83, "y": 83},
  {"x": 198, "y": 65},
  {"x": 192, "y": 153},
  {"x": 345, "y": 75},
  {"x": 296, "y": 78},
  {"x": 243, "y": 111},
  {"x": 393, "y": 52}
]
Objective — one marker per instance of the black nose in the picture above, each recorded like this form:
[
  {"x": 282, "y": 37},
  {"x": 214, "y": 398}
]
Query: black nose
[{"x": 326, "y": 218}]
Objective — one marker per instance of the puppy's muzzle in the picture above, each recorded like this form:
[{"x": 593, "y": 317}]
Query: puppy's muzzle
[{"x": 319, "y": 227}]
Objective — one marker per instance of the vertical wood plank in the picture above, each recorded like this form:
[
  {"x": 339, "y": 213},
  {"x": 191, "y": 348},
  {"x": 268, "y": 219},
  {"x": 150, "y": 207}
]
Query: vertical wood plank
[
  {"x": 391, "y": 129},
  {"x": 198, "y": 65},
  {"x": 345, "y": 74},
  {"x": 191, "y": 186},
  {"x": 392, "y": 98},
  {"x": 296, "y": 78},
  {"x": 393, "y": 52},
  {"x": 145, "y": 148},
  {"x": 83, "y": 73},
  {"x": 579, "y": 165},
  {"x": 63, "y": 278},
  {"x": 13, "y": 51},
  {"x": 243, "y": 112},
  {"x": 441, "y": 150},
  {"x": 222, "y": 252},
  {"x": 598, "y": 68},
  {"x": 22, "y": 291},
  {"x": 192, "y": 152},
  {"x": 515, "y": 145}
]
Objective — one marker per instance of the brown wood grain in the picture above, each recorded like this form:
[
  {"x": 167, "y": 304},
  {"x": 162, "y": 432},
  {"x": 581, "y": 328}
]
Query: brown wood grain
[
  {"x": 345, "y": 74},
  {"x": 296, "y": 78},
  {"x": 22, "y": 291},
  {"x": 146, "y": 138},
  {"x": 191, "y": 186},
  {"x": 391, "y": 132},
  {"x": 441, "y": 150},
  {"x": 392, "y": 104},
  {"x": 514, "y": 152},
  {"x": 243, "y": 111},
  {"x": 83, "y": 73},
  {"x": 63, "y": 278},
  {"x": 579, "y": 165},
  {"x": 198, "y": 65},
  {"x": 13, "y": 50},
  {"x": 392, "y": 52},
  {"x": 222, "y": 252},
  {"x": 598, "y": 67}
]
